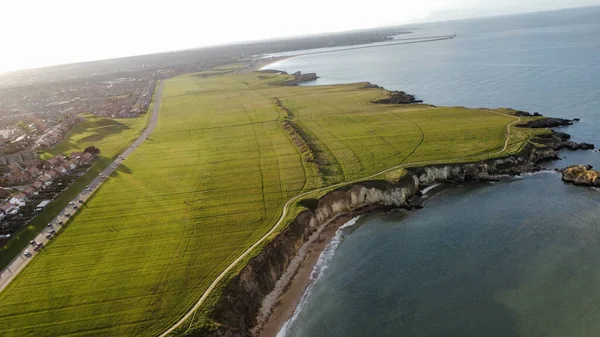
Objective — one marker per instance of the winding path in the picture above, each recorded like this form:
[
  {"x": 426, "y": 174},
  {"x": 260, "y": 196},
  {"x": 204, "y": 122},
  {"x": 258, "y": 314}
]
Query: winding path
[
  {"x": 12, "y": 270},
  {"x": 220, "y": 277}
]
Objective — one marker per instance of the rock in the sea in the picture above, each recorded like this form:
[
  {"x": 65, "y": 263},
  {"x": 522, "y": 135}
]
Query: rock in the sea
[
  {"x": 586, "y": 146},
  {"x": 582, "y": 175},
  {"x": 522, "y": 113},
  {"x": 547, "y": 122},
  {"x": 560, "y": 140}
]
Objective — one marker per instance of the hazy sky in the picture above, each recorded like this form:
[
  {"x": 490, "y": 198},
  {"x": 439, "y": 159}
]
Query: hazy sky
[{"x": 45, "y": 32}]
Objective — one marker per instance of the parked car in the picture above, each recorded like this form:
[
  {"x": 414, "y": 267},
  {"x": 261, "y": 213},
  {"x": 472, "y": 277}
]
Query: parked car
[
  {"x": 74, "y": 207},
  {"x": 32, "y": 242},
  {"x": 48, "y": 235},
  {"x": 67, "y": 214},
  {"x": 60, "y": 223},
  {"x": 37, "y": 247},
  {"x": 50, "y": 225},
  {"x": 52, "y": 231},
  {"x": 27, "y": 253},
  {"x": 80, "y": 201}
]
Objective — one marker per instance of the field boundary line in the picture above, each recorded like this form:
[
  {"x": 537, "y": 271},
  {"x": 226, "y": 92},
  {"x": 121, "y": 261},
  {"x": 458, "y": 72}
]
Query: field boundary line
[{"x": 286, "y": 206}]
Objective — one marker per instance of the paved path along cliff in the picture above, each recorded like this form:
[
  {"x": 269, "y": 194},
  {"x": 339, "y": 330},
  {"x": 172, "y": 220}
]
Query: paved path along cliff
[{"x": 13, "y": 269}]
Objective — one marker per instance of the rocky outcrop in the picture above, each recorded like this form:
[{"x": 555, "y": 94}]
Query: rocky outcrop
[
  {"x": 370, "y": 85},
  {"x": 299, "y": 78},
  {"x": 242, "y": 298},
  {"x": 522, "y": 113},
  {"x": 397, "y": 97},
  {"x": 582, "y": 175},
  {"x": 548, "y": 122},
  {"x": 560, "y": 140}
]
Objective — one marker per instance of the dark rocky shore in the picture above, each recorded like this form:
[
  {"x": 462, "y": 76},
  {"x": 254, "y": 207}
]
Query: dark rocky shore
[{"x": 548, "y": 122}]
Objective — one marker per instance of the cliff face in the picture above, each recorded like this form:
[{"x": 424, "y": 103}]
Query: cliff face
[
  {"x": 243, "y": 297},
  {"x": 299, "y": 78}
]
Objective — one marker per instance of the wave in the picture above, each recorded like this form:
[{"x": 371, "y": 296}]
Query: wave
[
  {"x": 429, "y": 188},
  {"x": 528, "y": 174},
  {"x": 318, "y": 270}
]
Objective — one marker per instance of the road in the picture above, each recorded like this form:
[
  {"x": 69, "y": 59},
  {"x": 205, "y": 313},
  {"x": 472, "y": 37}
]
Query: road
[
  {"x": 220, "y": 277},
  {"x": 13, "y": 269}
]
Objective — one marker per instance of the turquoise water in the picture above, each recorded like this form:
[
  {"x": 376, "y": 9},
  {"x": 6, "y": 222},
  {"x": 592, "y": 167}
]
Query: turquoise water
[{"x": 519, "y": 257}]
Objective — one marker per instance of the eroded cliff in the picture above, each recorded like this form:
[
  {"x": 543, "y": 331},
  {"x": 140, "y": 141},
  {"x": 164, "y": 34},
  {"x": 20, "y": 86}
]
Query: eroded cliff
[{"x": 238, "y": 308}]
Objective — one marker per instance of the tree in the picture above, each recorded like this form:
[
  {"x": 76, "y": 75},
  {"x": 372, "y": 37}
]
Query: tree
[{"x": 92, "y": 149}]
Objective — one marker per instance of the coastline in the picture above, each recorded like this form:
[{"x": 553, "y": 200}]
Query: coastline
[
  {"x": 263, "y": 296},
  {"x": 286, "y": 303},
  {"x": 280, "y": 308}
]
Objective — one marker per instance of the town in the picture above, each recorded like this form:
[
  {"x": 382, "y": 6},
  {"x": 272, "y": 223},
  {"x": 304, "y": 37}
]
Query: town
[{"x": 40, "y": 181}]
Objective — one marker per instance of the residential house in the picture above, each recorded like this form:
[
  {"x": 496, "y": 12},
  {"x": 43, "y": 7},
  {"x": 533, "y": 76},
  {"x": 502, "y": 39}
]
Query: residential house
[
  {"x": 6, "y": 207},
  {"x": 76, "y": 154},
  {"x": 52, "y": 162},
  {"x": 28, "y": 155},
  {"x": 32, "y": 162},
  {"x": 18, "y": 199},
  {"x": 14, "y": 158},
  {"x": 29, "y": 191},
  {"x": 77, "y": 157},
  {"x": 14, "y": 168},
  {"x": 38, "y": 184},
  {"x": 34, "y": 171},
  {"x": 72, "y": 164},
  {"x": 46, "y": 180},
  {"x": 61, "y": 169},
  {"x": 87, "y": 158},
  {"x": 53, "y": 174},
  {"x": 17, "y": 178}
]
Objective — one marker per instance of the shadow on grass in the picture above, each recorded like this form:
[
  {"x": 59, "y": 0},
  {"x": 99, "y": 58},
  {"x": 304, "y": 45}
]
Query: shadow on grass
[
  {"x": 310, "y": 203},
  {"x": 121, "y": 169}
]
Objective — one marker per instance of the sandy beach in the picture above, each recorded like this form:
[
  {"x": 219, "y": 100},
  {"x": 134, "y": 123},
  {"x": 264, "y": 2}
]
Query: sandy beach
[{"x": 286, "y": 303}]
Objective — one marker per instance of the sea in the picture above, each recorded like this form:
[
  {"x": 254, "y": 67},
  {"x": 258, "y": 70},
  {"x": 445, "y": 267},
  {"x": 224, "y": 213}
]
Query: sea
[{"x": 519, "y": 257}]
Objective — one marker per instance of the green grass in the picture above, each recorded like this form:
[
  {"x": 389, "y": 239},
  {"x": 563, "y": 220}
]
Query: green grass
[
  {"x": 230, "y": 66},
  {"x": 111, "y": 137},
  {"x": 210, "y": 181}
]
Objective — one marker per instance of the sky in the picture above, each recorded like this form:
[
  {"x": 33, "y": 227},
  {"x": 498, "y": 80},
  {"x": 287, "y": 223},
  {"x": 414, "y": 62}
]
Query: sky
[{"x": 38, "y": 33}]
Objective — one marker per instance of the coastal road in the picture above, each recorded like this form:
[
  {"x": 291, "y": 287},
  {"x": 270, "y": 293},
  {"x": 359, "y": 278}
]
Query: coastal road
[
  {"x": 220, "y": 277},
  {"x": 13, "y": 269}
]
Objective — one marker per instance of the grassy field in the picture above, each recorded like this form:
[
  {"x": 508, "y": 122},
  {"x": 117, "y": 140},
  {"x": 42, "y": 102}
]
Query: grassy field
[
  {"x": 209, "y": 182},
  {"x": 110, "y": 136}
]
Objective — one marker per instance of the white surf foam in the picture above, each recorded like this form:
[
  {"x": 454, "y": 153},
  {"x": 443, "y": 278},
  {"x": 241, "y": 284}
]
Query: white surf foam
[
  {"x": 427, "y": 189},
  {"x": 320, "y": 267}
]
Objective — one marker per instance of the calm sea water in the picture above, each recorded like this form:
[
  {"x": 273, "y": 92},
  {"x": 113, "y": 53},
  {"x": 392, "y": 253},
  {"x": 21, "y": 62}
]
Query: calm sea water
[{"x": 515, "y": 258}]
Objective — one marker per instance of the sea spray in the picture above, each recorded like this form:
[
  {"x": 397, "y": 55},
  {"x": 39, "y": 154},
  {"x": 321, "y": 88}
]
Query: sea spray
[{"x": 318, "y": 270}]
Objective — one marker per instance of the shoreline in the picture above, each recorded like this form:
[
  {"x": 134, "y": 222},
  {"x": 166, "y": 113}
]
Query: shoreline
[
  {"x": 286, "y": 303},
  {"x": 280, "y": 308},
  {"x": 259, "y": 304}
]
